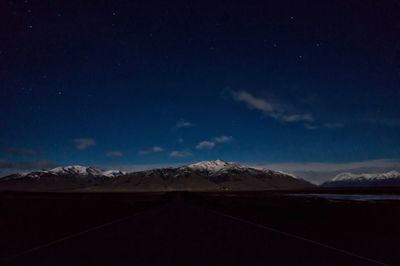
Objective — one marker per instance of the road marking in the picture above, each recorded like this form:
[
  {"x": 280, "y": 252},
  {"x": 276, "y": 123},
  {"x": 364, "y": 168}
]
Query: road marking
[{"x": 297, "y": 237}]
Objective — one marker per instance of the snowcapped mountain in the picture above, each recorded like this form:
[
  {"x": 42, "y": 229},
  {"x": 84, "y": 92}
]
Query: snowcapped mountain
[
  {"x": 219, "y": 167},
  {"x": 85, "y": 171},
  {"x": 73, "y": 170},
  {"x": 59, "y": 178},
  {"x": 364, "y": 180},
  {"x": 206, "y": 175}
]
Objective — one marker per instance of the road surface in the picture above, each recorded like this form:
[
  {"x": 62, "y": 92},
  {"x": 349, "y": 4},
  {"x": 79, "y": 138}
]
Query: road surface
[{"x": 183, "y": 234}]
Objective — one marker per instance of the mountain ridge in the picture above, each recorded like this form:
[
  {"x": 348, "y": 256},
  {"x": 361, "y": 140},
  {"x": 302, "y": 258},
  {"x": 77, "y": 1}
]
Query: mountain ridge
[
  {"x": 204, "y": 175},
  {"x": 347, "y": 179}
]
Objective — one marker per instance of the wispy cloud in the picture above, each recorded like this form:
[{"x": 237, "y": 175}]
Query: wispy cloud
[
  {"x": 223, "y": 139},
  {"x": 157, "y": 149},
  {"x": 210, "y": 144},
  {"x": 21, "y": 151},
  {"x": 333, "y": 125},
  {"x": 114, "y": 154},
  {"x": 205, "y": 145},
  {"x": 154, "y": 149},
  {"x": 183, "y": 123},
  {"x": 84, "y": 143},
  {"x": 311, "y": 126},
  {"x": 180, "y": 154},
  {"x": 271, "y": 108}
]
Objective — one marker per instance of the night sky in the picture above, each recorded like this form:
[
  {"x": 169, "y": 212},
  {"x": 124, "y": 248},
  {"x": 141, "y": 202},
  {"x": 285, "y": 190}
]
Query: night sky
[{"x": 136, "y": 83}]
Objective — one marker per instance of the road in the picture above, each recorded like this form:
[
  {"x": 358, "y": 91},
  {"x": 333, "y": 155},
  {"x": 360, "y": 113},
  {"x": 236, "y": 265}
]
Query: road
[{"x": 180, "y": 233}]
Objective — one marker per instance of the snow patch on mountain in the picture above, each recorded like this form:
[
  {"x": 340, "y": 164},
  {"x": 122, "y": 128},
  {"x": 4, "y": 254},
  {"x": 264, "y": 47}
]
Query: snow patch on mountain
[
  {"x": 213, "y": 166},
  {"x": 113, "y": 173}
]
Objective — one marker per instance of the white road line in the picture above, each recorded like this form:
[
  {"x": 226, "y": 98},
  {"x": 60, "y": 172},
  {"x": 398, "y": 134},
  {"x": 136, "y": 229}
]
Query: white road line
[{"x": 297, "y": 237}]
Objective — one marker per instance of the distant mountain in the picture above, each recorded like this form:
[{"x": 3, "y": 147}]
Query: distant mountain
[
  {"x": 364, "y": 180},
  {"x": 207, "y": 175},
  {"x": 60, "y": 178}
]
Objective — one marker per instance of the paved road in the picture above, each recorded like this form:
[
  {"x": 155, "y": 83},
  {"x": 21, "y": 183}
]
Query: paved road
[{"x": 183, "y": 234}]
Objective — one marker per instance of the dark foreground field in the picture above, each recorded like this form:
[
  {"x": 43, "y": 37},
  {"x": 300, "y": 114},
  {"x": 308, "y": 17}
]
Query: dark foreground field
[{"x": 195, "y": 229}]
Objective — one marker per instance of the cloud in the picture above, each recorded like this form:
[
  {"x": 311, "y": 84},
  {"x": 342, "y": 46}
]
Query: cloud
[
  {"x": 205, "y": 145},
  {"x": 115, "y": 154},
  {"x": 84, "y": 143},
  {"x": 270, "y": 108},
  {"x": 182, "y": 123},
  {"x": 180, "y": 154},
  {"x": 154, "y": 149},
  {"x": 295, "y": 117},
  {"x": 223, "y": 139},
  {"x": 157, "y": 149},
  {"x": 310, "y": 126},
  {"x": 21, "y": 151},
  {"x": 333, "y": 125},
  {"x": 210, "y": 144},
  {"x": 325, "y": 125}
]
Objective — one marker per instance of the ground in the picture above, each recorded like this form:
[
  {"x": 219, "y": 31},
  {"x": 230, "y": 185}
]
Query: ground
[{"x": 181, "y": 228}]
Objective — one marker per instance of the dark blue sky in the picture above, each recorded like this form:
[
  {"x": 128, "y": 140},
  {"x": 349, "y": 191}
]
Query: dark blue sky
[{"x": 140, "y": 82}]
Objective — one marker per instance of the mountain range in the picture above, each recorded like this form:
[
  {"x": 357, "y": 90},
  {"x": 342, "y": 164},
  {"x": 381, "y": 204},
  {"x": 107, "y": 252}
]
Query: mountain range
[
  {"x": 203, "y": 176},
  {"x": 364, "y": 180}
]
